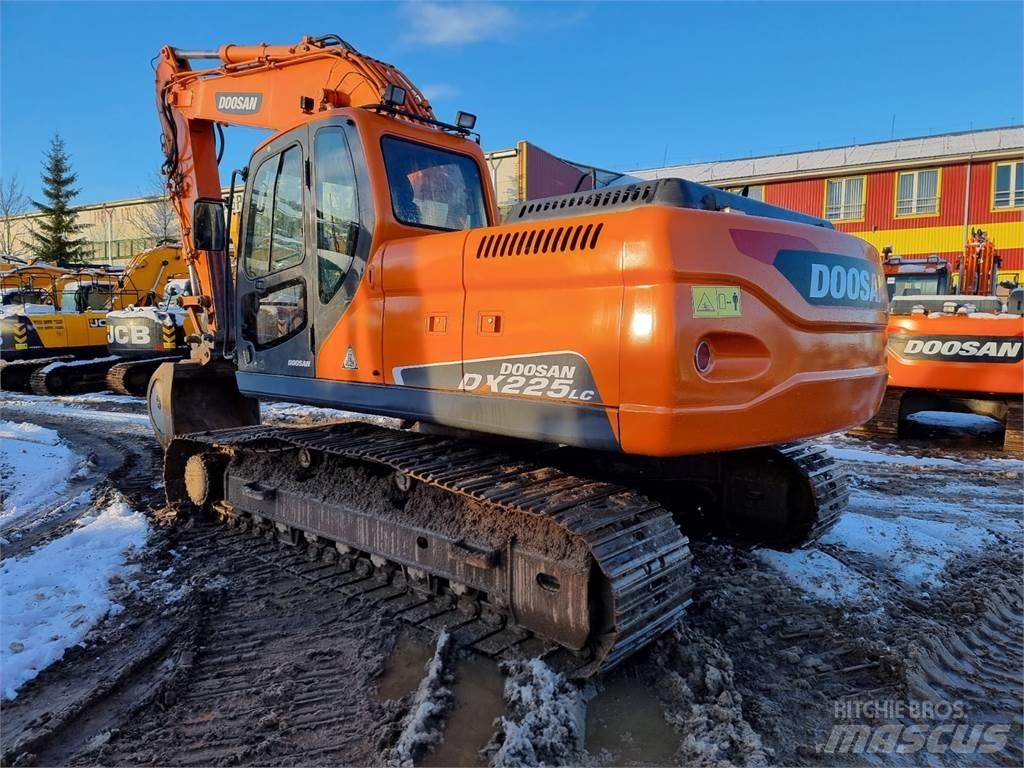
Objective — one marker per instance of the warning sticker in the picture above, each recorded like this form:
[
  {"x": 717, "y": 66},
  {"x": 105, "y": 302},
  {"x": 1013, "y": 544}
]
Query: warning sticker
[{"x": 716, "y": 301}]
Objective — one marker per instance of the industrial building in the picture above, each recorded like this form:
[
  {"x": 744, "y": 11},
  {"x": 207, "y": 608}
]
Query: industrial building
[{"x": 921, "y": 196}]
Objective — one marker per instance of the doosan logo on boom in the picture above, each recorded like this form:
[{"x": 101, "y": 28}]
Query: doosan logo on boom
[{"x": 239, "y": 103}]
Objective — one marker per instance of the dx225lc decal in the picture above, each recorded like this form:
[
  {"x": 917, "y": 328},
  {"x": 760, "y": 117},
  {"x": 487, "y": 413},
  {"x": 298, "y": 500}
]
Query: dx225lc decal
[
  {"x": 555, "y": 375},
  {"x": 958, "y": 349},
  {"x": 834, "y": 280}
]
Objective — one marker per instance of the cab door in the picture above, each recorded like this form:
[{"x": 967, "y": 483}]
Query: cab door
[{"x": 273, "y": 320}]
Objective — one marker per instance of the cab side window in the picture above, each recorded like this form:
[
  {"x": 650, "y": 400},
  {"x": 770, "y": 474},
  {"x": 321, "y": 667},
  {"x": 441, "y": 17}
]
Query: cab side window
[
  {"x": 272, "y": 316},
  {"x": 274, "y": 238},
  {"x": 337, "y": 210}
]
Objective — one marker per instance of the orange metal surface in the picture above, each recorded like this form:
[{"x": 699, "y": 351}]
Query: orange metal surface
[
  {"x": 782, "y": 370},
  {"x": 983, "y": 376}
]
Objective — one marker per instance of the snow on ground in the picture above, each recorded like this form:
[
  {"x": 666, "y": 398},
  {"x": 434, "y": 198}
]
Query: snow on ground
[
  {"x": 422, "y": 727},
  {"x": 35, "y": 466},
  {"x": 1000, "y": 512},
  {"x": 877, "y": 457},
  {"x": 818, "y": 574},
  {"x": 967, "y": 422},
  {"x": 71, "y": 406},
  {"x": 290, "y": 412},
  {"x": 545, "y": 720},
  {"x": 52, "y": 597},
  {"x": 914, "y": 550}
]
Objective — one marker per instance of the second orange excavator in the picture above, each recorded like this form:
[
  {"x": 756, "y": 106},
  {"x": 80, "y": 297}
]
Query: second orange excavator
[
  {"x": 578, "y": 381},
  {"x": 953, "y": 348}
]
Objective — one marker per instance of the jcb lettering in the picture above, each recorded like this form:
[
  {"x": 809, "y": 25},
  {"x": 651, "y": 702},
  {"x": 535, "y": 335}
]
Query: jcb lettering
[{"x": 135, "y": 335}]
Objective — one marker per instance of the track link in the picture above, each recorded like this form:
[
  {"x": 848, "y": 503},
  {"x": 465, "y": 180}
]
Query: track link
[
  {"x": 71, "y": 376},
  {"x": 642, "y": 559},
  {"x": 131, "y": 377}
]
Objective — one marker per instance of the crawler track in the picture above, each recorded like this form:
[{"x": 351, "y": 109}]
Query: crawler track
[
  {"x": 640, "y": 580},
  {"x": 15, "y": 375},
  {"x": 71, "y": 377},
  {"x": 131, "y": 377}
]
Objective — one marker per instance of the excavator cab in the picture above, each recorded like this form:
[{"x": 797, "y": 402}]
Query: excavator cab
[{"x": 87, "y": 296}]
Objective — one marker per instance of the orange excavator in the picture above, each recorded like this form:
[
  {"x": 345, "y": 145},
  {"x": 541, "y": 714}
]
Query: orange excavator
[
  {"x": 953, "y": 349},
  {"x": 574, "y": 384}
]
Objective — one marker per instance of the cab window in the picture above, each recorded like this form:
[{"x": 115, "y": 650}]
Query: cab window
[
  {"x": 432, "y": 187},
  {"x": 272, "y": 316},
  {"x": 337, "y": 210},
  {"x": 274, "y": 238}
]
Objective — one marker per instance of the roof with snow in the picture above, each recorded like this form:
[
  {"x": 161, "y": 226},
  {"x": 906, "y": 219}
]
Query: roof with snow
[{"x": 901, "y": 152}]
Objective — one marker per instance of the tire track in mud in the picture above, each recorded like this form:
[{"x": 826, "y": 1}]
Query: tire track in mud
[{"x": 280, "y": 671}]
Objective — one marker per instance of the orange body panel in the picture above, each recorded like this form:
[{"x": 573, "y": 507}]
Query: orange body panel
[
  {"x": 1001, "y": 372},
  {"x": 782, "y": 370}
]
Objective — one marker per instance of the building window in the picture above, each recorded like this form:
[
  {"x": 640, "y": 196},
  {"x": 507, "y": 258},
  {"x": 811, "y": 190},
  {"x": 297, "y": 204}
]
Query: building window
[
  {"x": 917, "y": 192},
  {"x": 754, "y": 191},
  {"x": 844, "y": 199},
  {"x": 1008, "y": 185}
]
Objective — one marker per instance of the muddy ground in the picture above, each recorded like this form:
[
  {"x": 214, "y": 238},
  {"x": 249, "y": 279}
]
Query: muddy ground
[{"x": 231, "y": 651}]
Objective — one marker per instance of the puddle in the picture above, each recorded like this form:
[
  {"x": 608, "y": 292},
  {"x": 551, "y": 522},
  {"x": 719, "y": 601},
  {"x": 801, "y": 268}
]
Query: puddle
[
  {"x": 405, "y": 667},
  {"x": 479, "y": 699},
  {"x": 626, "y": 725}
]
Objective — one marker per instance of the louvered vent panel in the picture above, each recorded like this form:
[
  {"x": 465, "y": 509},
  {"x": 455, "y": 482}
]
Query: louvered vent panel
[
  {"x": 581, "y": 237},
  {"x": 614, "y": 196}
]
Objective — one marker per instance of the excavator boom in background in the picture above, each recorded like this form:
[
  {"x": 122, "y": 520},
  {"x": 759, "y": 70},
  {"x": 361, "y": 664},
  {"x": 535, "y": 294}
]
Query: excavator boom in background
[{"x": 580, "y": 380}]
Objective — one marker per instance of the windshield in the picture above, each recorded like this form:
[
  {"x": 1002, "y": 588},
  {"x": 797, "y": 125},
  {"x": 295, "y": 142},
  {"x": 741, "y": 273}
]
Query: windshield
[
  {"x": 915, "y": 286},
  {"x": 432, "y": 187}
]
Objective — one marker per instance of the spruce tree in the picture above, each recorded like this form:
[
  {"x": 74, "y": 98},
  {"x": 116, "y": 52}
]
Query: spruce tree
[{"x": 56, "y": 234}]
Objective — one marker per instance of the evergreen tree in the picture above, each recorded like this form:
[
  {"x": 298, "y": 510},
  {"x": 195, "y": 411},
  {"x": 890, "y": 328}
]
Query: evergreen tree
[{"x": 56, "y": 236}]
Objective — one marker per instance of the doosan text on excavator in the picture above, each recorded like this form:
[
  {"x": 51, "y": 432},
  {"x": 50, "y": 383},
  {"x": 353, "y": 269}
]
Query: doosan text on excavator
[{"x": 577, "y": 385}]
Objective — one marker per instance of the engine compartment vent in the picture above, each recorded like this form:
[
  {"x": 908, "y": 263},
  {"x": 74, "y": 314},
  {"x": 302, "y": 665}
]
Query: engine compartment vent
[
  {"x": 580, "y": 237},
  {"x": 671, "y": 193},
  {"x": 614, "y": 196}
]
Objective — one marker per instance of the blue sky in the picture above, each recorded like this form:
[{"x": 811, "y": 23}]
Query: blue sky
[{"x": 621, "y": 86}]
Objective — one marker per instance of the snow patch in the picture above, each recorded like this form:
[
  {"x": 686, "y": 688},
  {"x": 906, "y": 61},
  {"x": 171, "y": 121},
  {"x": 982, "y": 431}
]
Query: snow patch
[
  {"x": 545, "y": 722},
  {"x": 35, "y": 466},
  {"x": 288, "y": 413},
  {"x": 422, "y": 727},
  {"x": 54, "y": 595},
  {"x": 915, "y": 550},
  {"x": 71, "y": 407},
  {"x": 968, "y": 422},
  {"x": 816, "y": 573},
  {"x": 877, "y": 457}
]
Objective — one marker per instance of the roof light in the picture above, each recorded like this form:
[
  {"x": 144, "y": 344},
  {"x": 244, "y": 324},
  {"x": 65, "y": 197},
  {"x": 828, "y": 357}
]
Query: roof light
[
  {"x": 394, "y": 95},
  {"x": 465, "y": 120}
]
